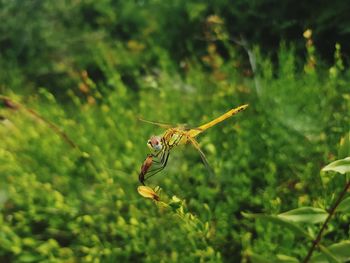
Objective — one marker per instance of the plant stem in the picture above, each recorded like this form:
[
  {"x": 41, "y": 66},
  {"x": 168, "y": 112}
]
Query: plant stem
[
  {"x": 331, "y": 213},
  {"x": 16, "y": 105}
]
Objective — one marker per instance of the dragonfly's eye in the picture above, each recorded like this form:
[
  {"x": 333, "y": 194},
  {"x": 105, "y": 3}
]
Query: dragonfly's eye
[{"x": 155, "y": 143}]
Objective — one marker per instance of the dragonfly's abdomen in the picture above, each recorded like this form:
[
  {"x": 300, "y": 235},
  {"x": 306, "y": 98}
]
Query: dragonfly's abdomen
[{"x": 200, "y": 129}]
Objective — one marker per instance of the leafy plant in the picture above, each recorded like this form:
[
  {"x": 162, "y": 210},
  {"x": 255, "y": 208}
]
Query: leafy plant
[{"x": 337, "y": 252}]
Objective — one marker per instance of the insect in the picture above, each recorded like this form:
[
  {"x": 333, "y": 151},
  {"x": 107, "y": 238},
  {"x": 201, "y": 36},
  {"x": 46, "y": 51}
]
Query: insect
[{"x": 161, "y": 145}]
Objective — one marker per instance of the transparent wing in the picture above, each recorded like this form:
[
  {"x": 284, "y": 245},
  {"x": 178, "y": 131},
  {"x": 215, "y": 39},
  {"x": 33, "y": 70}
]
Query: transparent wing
[
  {"x": 201, "y": 153},
  {"x": 163, "y": 125},
  {"x": 182, "y": 126}
]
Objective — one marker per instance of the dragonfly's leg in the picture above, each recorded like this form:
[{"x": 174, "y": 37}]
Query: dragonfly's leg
[
  {"x": 153, "y": 172},
  {"x": 161, "y": 159},
  {"x": 156, "y": 162},
  {"x": 164, "y": 161},
  {"x": 162, "y": 152}
]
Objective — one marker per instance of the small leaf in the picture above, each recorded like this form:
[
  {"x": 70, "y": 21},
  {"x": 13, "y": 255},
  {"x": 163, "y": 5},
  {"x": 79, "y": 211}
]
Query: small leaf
[
  {"x": 280, "y": 221},
  {"x": 148, "y": 192},
  {"x": 340, "y": 166},
  {"x": 344, "y": 206},
  {"x": 310, "y": 215},
  {"x": 286, "y": 259},
  {"x": 175, "y": 203},
  {"x": 27, "y": 257}
]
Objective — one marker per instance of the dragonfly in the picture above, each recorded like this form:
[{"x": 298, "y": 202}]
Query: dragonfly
[{"x": 161, "y": 145}]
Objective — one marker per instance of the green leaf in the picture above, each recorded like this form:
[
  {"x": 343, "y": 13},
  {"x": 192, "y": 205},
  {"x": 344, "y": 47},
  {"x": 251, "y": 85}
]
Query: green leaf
[
  {"x": 175, "y": 203},
  {"x": 340, "y": 166},
  {"x": 280, "y": 221},
  {"x": 344, "y": 206},
  {"x": 305, "y": 215},
  {"x": 329, "y": 255},
  {"x": 340, "y": 251},
  {"x": 286, "y": 259}
]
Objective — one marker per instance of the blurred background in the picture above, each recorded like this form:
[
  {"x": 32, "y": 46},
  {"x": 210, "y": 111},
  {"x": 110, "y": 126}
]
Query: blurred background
[{"x": 75, "y": 76}]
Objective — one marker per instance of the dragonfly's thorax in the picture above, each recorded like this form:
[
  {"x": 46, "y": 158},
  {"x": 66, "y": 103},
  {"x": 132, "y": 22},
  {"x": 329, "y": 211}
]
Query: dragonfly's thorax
[{"x": 175, "y": 137}]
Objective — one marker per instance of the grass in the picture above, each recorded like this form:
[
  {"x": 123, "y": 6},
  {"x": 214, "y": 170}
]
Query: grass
[{"x": 63, "y": 204}]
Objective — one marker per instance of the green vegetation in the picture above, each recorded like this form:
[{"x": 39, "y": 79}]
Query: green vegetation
[{"x": 75, "y": 80}]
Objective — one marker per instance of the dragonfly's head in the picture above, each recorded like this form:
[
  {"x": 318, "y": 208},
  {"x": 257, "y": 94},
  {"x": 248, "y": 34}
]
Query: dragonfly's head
[{"x": 155, "y": 143}]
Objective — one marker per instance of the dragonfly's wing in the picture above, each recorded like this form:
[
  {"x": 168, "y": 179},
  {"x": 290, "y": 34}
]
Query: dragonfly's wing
[
  {"x": 182, "y": 126},
  {"x": 201, "y": 153},
  {"x": 163, "y": 125}
]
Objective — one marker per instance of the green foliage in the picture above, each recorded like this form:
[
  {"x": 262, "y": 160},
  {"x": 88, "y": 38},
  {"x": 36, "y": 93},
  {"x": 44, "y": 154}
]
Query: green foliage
[
  {"x": 93, "y": 68},
  {"x": 63, "y": 203},
  {"x": 337, "y": 252},
  {"x": 280, "y": 220},
  {"x": 65, "y": 37}
]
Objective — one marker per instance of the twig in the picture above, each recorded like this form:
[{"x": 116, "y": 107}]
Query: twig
[
  {"x": 331, "y": 213},
  {"x": 16, "y": 105},
  {"x": 10, "y": 103}
]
